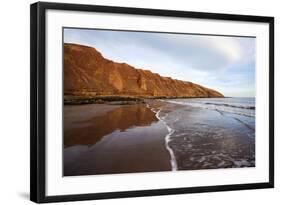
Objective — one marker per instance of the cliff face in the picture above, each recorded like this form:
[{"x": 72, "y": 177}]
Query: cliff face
[{"x": 86, "y": 72}]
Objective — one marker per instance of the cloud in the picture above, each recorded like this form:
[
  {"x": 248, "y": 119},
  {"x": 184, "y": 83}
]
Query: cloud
[
  {"x": 218, "y": 52},
  {"x": 228, "y": 47}
]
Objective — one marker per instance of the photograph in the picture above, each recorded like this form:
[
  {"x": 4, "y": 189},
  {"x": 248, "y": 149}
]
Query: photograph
[
  {"x": 145, "y": 101},
  {"x": 139, "y": 101}
]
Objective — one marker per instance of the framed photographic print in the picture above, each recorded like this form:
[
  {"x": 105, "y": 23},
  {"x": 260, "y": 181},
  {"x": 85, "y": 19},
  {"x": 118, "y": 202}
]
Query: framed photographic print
[{"x": 129, "y": 102}]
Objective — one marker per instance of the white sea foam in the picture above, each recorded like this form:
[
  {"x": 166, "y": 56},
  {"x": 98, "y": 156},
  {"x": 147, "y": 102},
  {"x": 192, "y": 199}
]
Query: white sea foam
[{"x": 167, "y": 138}]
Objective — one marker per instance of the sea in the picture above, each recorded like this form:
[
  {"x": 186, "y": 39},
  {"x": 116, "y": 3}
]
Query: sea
[
  {"x": 206, "y": 133},
  {"x": 240, "y": 106}
]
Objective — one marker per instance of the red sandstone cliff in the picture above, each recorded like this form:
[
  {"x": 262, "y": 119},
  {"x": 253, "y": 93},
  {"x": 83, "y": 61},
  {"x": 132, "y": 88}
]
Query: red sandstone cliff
[{"x": 87, "y": 72}]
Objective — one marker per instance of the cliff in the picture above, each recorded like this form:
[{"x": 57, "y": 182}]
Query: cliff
[{"x": 88, "y": 73}]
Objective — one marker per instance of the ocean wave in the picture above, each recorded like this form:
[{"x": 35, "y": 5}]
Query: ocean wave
[
  {"x": 232, "y": 105},
  {"x": 244, "y": 110},
  {"x": 167, "y": 137}
]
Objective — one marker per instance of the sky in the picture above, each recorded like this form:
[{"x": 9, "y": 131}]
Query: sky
[{"x": 223, "y": 63}]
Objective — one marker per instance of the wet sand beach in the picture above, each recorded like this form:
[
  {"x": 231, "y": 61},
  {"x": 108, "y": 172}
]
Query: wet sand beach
[
  {"x": 108, "y": 139},
  {"x": 157, "y": 136}
]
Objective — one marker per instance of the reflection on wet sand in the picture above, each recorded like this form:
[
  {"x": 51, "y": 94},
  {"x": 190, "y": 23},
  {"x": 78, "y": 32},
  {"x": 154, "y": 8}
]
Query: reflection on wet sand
[
  {"x": 89, "y": 131},
  {"x": 122, "y": 139}
]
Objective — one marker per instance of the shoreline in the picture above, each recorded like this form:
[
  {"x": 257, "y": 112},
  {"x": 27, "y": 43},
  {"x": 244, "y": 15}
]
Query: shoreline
[
  {"x": 118, "y": 99},
  {"x": 173, "y": 161}
]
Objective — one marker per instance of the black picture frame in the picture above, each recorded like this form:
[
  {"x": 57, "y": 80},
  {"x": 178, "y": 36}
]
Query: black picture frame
[{"x": 38, "y": 100}]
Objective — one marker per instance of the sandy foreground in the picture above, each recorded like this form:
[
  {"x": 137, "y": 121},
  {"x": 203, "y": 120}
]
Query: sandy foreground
[{"x": 107, "y": 139}]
